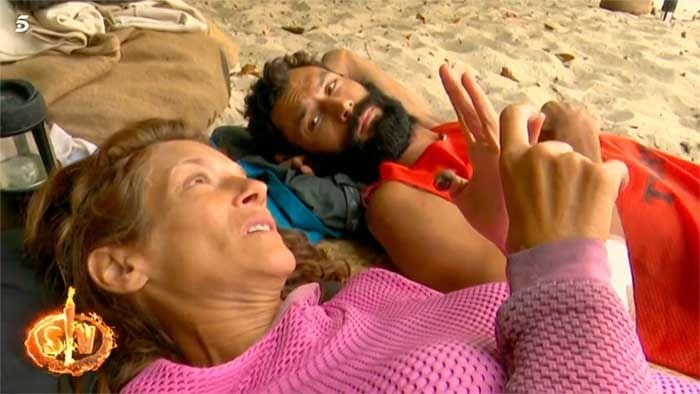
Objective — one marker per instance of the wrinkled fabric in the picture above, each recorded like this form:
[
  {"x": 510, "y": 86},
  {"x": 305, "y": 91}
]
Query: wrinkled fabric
[
  {"x": 288, "y": 210},
  {"x": 559, "y": 331}
]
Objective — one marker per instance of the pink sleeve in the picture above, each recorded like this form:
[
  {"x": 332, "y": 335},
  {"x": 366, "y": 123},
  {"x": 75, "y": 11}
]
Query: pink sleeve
[{"x": 563, "y": 329}]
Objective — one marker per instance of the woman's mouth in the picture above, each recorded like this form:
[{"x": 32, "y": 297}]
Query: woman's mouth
[
  {"x": 258, "y": 228},
  {"x": 259, "y": 224}
]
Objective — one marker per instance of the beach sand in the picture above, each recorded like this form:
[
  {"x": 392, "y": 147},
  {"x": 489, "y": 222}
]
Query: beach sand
[{"x": 640, "y": 76}]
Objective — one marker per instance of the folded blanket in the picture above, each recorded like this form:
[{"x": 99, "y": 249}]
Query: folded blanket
[
  {"x": 73, "y": 26},
  {"x": 149, "y": 74},
  {"x": 163, "y": 15},
  {"x": 13, "y": 45},
  {"x": 67, "y": 27}
]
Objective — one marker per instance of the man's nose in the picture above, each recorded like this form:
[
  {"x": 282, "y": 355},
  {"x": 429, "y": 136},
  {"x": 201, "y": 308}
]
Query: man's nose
[
  {"x": 250, "y": 193},
  {"x": 342, "y": 108}
]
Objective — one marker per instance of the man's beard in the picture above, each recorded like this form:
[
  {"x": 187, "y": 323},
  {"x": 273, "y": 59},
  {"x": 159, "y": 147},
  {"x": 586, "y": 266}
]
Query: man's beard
[{"x": 392, "y": 132}]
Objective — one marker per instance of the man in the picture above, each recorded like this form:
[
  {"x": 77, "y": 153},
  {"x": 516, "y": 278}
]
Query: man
[
  {"x": 320, "y": 109},
  {"x": 318, "y": 114},
  {"x": 345, "y": 114}
]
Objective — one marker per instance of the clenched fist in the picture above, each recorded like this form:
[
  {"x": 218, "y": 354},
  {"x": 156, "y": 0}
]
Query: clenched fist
[{"x": 551, "y": 192}]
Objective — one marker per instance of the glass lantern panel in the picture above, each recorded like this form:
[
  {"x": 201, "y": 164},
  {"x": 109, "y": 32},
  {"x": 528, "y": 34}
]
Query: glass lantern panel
[{"x": 21, "y": 167}]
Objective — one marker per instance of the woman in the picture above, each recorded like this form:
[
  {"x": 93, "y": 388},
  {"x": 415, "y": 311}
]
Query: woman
[{"x": 167, "y": 240}]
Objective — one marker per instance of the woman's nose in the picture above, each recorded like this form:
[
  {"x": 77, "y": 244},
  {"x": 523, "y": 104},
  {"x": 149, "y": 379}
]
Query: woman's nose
[
  {"x": 342, "y": 108},
  {"x": 252, "y": 192}
]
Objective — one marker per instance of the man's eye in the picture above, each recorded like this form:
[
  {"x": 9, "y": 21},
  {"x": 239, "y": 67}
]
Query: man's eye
[{"x": 330, "y": 87}]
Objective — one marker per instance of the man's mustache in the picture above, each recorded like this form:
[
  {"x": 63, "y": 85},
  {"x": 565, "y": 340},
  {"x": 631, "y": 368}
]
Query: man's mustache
[{"x": 354, "y": 120}]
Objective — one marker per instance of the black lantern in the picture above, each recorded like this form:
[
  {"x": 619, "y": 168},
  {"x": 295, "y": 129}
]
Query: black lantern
[{"x": 22, "y": 114}]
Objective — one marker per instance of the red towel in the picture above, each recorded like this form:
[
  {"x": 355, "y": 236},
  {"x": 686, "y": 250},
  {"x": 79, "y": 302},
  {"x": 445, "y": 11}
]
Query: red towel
[{"x": 660, "y": 213}]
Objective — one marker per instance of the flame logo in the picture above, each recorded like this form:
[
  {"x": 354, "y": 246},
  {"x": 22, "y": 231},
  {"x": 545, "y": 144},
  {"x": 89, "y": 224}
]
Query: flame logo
[{"x": 52, "y": 341}]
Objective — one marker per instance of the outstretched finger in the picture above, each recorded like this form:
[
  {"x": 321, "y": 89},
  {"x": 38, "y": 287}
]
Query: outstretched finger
[
  {"x": 484, "y": 109},
  {"x": 514, "y": 128},
  {"x": 468, "y": 118}
]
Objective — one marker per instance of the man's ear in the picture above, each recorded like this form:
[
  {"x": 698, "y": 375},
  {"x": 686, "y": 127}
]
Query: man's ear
[{"x": 118, "y": 270}]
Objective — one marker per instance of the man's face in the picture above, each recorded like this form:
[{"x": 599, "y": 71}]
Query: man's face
[
  {"x": 325, "y": 113},
  {"x": 316, "y": 108}
]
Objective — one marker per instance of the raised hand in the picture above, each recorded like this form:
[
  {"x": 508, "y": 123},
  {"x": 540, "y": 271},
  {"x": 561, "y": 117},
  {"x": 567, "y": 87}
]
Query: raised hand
[
  {"x": 481, "y": 199},
  {"x": 474, "y": 111},
  {"x": 551, "y": 192}
]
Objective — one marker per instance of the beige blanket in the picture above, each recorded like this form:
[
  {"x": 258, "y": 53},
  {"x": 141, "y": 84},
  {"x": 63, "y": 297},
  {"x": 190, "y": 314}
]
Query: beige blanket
[
  {"x": 73, "y": 26},
  {"x": 146, "y": 74}
]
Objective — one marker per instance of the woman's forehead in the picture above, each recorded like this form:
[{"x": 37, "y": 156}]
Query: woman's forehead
[{"x": 170, "y": 154}]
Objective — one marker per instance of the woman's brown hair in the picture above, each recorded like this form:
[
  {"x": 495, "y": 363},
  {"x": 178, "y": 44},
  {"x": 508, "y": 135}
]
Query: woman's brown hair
[{"x": 99, "y": 202}]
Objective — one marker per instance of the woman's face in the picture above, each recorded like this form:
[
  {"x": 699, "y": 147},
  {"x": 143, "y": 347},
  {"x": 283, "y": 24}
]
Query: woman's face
[{"x": 211, "y": 232}]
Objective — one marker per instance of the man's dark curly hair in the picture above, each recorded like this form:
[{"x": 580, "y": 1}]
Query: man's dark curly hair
[{"x": 262, "y": 97}]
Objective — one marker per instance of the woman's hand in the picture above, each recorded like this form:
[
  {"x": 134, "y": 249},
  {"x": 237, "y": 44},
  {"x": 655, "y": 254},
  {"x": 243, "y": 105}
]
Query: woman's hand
[
  {"x": 574, "y": 126},
  {"x": 481, "y": 199},
  {"x": 551, "y": 192},
  {"x": 475, "y": 113}
]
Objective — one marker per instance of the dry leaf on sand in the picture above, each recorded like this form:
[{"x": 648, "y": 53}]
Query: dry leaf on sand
[
  {"x": 506, "y": 72},
  {"x": 294, "y": 29},
  {"x": 249, "y": 69},
  {"x": 565, "y": 57}
]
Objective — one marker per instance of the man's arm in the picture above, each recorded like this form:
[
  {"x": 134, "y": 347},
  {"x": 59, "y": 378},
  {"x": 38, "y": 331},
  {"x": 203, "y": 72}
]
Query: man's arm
[
  {"x": 351, "y": 65},
  {"x": 429, "y": 241}
]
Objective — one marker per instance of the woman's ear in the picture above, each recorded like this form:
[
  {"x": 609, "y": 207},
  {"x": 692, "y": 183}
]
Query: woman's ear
[{"x": 117, "y": 269}]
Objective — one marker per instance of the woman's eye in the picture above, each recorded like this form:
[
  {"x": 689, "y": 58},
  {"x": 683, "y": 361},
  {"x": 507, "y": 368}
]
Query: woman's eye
[
  {"x": 330, "y": 87},
  {"x": 314, "y": 121},
  {"x": 196, "y": 180}
]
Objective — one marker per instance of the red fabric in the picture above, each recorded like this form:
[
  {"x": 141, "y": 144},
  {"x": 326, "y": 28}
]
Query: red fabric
[
  {"x": 449, "y": 153},
  {"x": 660, "y": 212}
]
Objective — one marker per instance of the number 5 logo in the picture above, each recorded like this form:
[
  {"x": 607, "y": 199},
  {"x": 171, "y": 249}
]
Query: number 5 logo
[{"x": 22, "y": 25}]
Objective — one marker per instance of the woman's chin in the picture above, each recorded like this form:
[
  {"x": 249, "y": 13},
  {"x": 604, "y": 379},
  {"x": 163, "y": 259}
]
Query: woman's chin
[{"x": 282, "y": 261}]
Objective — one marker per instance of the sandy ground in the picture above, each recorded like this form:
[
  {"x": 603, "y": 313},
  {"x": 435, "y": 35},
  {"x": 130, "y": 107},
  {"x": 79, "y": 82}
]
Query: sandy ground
[{"x": 638, "y": 75}]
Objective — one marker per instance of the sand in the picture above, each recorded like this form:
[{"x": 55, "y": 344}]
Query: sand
[{"x": 640, "y": 76}]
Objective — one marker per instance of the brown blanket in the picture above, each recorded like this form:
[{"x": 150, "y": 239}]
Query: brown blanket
[{"x": 143, "y": 74}]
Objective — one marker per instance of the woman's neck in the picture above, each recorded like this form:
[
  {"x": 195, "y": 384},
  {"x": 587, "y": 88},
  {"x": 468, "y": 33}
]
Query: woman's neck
[{"x": 216, "y": 332}]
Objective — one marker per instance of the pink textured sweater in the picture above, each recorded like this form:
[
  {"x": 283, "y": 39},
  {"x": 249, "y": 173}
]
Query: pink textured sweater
[{"x": 559, "y": 329}]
